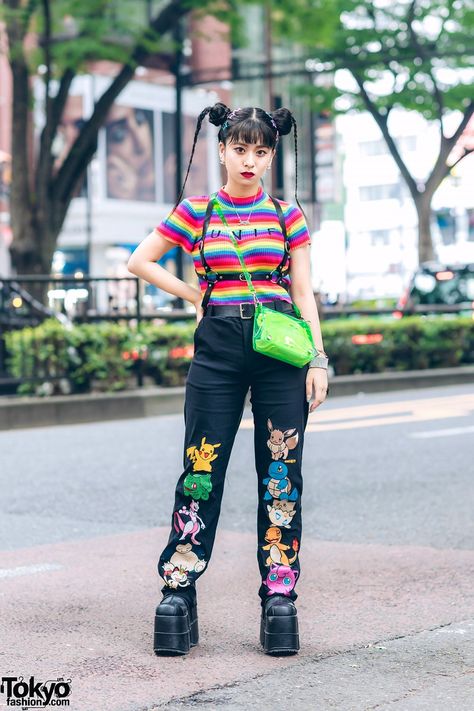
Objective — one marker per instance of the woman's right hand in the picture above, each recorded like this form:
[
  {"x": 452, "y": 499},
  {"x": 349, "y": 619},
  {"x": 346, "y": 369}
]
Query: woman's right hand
[{"x": 199, "y": 309}]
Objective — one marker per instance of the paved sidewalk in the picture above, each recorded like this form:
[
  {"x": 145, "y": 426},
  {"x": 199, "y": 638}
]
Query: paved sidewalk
[
  {"x": 84, "y": 610},
  {"x": 428, "y": 671},
  {"x": 386, "y": 596}
]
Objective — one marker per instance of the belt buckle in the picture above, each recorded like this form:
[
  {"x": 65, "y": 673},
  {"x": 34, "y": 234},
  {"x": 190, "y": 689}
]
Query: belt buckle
[{"x": 242, "y": 313}]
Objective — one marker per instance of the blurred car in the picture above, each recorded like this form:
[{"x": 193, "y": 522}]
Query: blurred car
[{"x": 435, "y": 284}]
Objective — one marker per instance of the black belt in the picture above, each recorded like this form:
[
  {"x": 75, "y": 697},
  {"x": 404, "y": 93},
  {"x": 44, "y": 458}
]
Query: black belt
[{"x": 247, "y": 310}]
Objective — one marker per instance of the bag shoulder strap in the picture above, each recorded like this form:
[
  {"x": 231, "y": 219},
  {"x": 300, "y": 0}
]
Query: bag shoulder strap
[{"x": 247, "y": 276}]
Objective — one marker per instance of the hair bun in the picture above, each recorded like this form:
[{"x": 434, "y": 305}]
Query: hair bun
[
  {"x": 218, "y": 114},
  {"x": 283, "y": 119}
]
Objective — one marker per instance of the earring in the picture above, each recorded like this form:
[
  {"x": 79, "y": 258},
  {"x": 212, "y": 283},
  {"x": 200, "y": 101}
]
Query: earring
[{"x": 269, "y": 167}]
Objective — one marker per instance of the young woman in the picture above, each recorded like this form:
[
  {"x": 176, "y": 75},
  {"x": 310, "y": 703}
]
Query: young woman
[{"x": 225, "y": 367}]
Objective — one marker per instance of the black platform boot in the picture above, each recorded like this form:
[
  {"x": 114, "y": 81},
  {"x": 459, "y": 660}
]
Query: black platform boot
[
  {"x": 279, "y": 626},
  {"x": 176, "y": 625}
]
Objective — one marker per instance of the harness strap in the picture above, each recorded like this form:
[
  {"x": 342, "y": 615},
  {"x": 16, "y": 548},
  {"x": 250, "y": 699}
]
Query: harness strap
[
  {"x": 210, "y": 275},
  {"x": 276, "y": 276}
]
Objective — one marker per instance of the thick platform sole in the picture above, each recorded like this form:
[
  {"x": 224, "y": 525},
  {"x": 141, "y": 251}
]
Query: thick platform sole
[
  {"x": 279, "y": 634},
  {"x": 175, "y": 634}
]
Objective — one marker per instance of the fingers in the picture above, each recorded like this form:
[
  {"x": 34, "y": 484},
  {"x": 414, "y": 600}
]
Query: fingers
[{"x": 321, "y": 394}]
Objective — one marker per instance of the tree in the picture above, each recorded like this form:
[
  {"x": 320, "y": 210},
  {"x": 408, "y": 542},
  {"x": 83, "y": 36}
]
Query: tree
[
  {"x": 70, "y": 34},
  {"x": 414, "y": 54}
]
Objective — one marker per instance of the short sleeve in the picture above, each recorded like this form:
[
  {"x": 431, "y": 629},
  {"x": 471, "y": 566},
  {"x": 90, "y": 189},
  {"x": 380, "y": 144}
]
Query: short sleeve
[
  {"x": 296, "y": 227},
  {"x": 180, "y": 226}
]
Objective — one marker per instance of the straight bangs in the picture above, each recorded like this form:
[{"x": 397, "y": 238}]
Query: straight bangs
[{"x": 251, "y": 131}]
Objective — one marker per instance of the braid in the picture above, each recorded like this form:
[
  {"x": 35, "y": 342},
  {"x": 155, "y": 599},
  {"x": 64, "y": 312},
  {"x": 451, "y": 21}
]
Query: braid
[
  {"x": 293, "y": 121},
  {"x": 200, "y": 119}
]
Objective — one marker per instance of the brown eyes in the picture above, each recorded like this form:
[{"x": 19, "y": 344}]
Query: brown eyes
[{"x": 262, "y": 154}]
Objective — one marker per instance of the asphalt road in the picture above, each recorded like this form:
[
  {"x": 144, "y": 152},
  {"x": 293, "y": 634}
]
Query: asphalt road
[
  {"x": 365, "y": 482},
  {"x": 387, "y": 562}
]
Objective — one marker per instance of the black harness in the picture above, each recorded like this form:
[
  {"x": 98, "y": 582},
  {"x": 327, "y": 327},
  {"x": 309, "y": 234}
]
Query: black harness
[{"x": 276, "y": 276}]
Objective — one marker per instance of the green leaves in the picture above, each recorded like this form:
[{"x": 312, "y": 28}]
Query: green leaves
[
  {"x": 408, "y": 53},
  {"x": 411, "y": 343},
  {"x": 105, "y": 356},
  {"x": 311, "y": 23}
]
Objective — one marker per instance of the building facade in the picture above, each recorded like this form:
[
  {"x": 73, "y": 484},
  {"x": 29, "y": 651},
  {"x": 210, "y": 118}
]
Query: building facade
[
  {"x": 379, "y": 215},
  {"x": 358, "y": 208}
]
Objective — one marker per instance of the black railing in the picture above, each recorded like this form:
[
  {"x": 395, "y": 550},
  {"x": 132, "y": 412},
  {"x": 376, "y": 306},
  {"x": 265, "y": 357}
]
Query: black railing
[
  {"x": 82, "y": 299},
  {"x": 70, "y": 300},
  {"x": 75, "y": 298},
  {"x": 335, "y": 311}
]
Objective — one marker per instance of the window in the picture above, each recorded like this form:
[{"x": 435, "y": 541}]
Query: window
[
  {"x": 470, "y": 225},
  {"x": 379, "y": 147},
  {"x": 406, "y": 143},
  {"x": 446, "y": 221},
  {"x": 67, "y": 261},
  {"x": 373, "y": 148},
  {"x": 379, "y": 238},
  {"x": 380, "y": 192}
]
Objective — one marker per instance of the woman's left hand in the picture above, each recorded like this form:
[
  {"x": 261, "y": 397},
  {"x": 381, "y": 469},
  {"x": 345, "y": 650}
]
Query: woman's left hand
[{"x": 316, "y": 386}]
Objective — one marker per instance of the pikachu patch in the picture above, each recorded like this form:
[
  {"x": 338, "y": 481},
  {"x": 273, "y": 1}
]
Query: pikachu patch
[{"x": 202, "y": 456}]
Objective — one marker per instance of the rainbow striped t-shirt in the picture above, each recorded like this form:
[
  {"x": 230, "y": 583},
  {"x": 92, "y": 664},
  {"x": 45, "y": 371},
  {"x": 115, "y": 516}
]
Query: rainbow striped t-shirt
[{"x": 261, "y": 243}]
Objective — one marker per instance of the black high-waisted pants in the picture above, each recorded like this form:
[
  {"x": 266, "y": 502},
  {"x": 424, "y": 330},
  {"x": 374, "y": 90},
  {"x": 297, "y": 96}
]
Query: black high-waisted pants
[{"x": 223, "y": 369}]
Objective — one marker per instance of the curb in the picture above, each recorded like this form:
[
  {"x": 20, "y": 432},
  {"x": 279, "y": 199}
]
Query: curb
[{"x": 19, "y": 412}]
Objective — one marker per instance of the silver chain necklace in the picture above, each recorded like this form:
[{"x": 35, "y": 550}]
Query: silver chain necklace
[{"x": 241, "y": 221}]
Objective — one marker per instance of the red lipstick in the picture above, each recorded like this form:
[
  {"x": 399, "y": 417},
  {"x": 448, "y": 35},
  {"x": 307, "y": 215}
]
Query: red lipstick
[{"x": 247, "y": 175}]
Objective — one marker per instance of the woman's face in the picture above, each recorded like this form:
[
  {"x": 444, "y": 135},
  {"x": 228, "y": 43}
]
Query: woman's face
[
  {"x": 130, "y": 167},
  {"x": 245, "y": 163},
  {"x": 128, "y": 133}
]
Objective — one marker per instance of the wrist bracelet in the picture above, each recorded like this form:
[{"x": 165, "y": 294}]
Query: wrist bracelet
[{"x": 319, "y": 361}]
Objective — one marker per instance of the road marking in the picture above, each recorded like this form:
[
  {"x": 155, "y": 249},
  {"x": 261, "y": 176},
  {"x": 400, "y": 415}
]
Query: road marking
[
  {"x": 443, "y": 433},
  {"x": 28, "y": 570},
  {"x": 386, "y": 413}
]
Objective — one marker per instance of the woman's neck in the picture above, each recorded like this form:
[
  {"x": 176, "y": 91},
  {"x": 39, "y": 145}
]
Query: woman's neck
[{"x": 240, "y": 191}]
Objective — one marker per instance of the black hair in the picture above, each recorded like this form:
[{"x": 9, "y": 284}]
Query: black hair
[{"x": 247, "y": 125}]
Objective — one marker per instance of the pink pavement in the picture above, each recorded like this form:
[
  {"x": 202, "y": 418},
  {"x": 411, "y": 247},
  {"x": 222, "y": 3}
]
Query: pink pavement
[{"x": 92, "y": 619}]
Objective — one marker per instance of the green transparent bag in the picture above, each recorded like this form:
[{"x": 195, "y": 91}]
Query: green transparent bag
[
  {"x": 282, "y": 336},
  {"x": 276, "y": 334}
]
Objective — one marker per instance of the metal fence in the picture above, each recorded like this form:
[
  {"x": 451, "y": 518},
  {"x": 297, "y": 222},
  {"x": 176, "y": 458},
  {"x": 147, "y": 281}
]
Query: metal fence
[
  {"x": 74, "y": 300},
  {"x": 336, "y": 311},
  {"x": 28, "y": 301}
]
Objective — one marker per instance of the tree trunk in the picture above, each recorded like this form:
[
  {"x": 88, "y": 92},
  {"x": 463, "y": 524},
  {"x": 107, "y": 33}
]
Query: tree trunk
[
  {"x": 39, "y": 200},
  {"x": 26, "y": 253},
  {"x": 425, "y": 243},
  {"x": 32, "y": 254}
]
